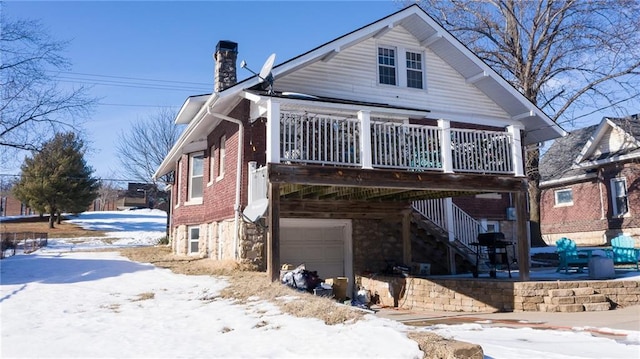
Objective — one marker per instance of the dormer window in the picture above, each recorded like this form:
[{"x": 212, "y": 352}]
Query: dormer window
[
  {"x": 414, "y": 70},
  {"x": 387, "y": 65},
  {"x": 400, "y": 67}
]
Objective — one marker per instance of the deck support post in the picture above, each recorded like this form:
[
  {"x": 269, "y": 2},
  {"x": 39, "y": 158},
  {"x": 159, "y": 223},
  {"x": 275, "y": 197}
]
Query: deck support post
[
  {"x": 273, "y": 236},
  {"x": 522, "y": 237},
  {"x": 449, "y": 220},
  {"x": 406, "y": 237}
]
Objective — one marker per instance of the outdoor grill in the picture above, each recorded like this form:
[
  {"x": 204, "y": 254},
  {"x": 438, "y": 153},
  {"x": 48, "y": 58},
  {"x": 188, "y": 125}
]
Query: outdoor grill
[{"x": 495, "y": 247}]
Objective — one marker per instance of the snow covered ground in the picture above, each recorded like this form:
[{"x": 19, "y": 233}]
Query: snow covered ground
[{"x": 61, "y": 302}]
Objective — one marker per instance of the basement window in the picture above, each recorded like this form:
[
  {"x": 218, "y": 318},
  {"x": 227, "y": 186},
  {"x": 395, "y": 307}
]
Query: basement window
[
  {"x": 564, "y": 197},
  {"x": 194, "y": 239}
]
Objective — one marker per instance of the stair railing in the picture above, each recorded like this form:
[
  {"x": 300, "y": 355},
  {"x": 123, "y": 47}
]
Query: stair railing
[{"x": 461, "y": 225}]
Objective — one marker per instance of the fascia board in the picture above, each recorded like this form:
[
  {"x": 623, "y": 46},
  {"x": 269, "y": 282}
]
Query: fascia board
[
  {"x": 594, "y": 140},
  {"x": 325, "y": 51},
  {"x": 591, "y": 164}
]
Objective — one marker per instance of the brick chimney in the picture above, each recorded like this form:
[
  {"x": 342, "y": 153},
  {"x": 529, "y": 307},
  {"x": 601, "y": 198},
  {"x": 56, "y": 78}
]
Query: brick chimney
[{"x": 225, "y": 68}]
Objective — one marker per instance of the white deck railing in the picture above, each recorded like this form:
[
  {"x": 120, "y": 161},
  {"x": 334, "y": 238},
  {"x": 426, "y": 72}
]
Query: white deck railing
[
  {"x": 319, "y": 139},
  {"x": 257, "y": 183},
  {"x": 481, "y": 151},
  {"x": 340, "y": 141},
  {"x": 396, "y": 145}
]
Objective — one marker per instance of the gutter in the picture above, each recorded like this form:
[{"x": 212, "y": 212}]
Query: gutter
[
  {"x": 238, "y": 175},
  {"x": 560, "y": 181}
]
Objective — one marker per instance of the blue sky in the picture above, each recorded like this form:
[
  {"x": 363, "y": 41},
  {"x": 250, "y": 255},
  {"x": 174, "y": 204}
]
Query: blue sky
[{"x": 175, "y": 41}]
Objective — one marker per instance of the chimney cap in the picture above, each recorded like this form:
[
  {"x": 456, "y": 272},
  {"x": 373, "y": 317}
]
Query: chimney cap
[{"x": 225, "y": 45}]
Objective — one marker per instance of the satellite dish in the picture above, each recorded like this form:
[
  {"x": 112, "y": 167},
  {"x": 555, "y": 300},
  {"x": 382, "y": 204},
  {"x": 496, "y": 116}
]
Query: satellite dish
[
  {"x": 256, "y": 209},
  {"x": 265, "y": 73},
  {"x": 265, "y": 76}
]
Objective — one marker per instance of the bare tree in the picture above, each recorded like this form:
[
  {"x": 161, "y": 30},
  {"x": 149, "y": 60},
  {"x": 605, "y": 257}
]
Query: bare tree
[
  {"x": 142, "y": 148},
  {"x": 108, "y": 195},
  {"x": 34, "y": 106},
  {"x": 569, "y": 57}
]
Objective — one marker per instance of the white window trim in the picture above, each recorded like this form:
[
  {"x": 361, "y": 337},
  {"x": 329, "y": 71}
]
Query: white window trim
[
  {"x": 401, "y": 67},
  {"x": 193, "y": 200},
  {"x": 397, "y": 61},
  {"x": 423, "y": 70},
  {"x": 222, "y": 155},
  {"x": 555, "y": 197},
  {"x": 190, "y": 240},
  {"x": 178, "y": 184},
  {"x": 212, "y": 166},
  {"x": 614, "y": 206}
]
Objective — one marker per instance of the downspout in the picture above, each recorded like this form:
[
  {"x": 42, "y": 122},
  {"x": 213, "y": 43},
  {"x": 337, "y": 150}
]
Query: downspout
[{"x": 238, "y": 176}]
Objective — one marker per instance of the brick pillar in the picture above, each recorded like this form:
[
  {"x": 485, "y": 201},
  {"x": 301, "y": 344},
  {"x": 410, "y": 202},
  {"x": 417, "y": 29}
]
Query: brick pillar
[{"x": 225, "y": 69}]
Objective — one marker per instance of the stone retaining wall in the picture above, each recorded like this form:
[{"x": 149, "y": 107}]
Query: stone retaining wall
[{"x": 477, "y": 295}]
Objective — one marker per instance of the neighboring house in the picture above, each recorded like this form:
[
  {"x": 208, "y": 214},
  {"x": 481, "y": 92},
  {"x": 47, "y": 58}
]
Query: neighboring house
[
  {"x": 11, "y": 206},
  {"x": 347, "y": 161},
  {"x": 137, "y": 195},
  {"x": 590, "y": 183}
]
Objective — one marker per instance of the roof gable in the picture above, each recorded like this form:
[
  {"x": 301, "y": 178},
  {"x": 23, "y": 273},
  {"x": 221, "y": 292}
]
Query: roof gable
[
  {"x": 610, "y": 139},
  {"x": 538, "y": 126},
  {"x": 582, "y": 150}
]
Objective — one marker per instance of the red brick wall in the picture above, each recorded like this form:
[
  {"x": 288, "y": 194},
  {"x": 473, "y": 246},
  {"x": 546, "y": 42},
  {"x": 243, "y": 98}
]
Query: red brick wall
[
  {"x": 592, "y": 198},
  {"x": 219, "y": 195},
  {"x": 489, "y": 208},
  {"x": 13, "y": 207}
]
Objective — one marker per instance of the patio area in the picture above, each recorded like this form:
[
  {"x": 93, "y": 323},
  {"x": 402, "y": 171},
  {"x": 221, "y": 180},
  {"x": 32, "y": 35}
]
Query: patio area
[{"x": 547, "y": 290}]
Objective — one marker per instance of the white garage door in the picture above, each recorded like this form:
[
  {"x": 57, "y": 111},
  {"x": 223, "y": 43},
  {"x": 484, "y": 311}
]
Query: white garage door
[{"x": 321, "y": 245}]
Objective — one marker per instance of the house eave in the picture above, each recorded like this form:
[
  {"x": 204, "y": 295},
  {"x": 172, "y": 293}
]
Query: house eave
[
  {"x": 567, "y": 180},
  {"x": 187, "y": 136},
  {"x": 190, "y": 108}
]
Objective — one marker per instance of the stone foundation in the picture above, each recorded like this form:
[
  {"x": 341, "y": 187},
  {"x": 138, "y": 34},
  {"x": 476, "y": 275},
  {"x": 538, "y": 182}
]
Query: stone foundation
[{"x": 477, "y": 295}]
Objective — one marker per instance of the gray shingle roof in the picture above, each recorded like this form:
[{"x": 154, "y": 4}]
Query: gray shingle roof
[{"x": 556, "y": 163}]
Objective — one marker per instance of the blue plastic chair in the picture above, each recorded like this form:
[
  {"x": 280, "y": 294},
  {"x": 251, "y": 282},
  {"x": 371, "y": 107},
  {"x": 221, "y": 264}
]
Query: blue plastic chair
[
  {"x": 623, "y": 251},
  {"x": 570, "y": 256}
]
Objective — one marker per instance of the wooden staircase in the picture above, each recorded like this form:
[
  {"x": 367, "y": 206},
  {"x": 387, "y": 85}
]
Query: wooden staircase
[
  {"x": 459, "y": 248},
  {"x": 574, "y": 300}
]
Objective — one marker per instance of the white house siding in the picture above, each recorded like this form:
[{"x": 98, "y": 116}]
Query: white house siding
[
  {"x": 612, "y": 141},
  {"x": 352, "y": 74}
]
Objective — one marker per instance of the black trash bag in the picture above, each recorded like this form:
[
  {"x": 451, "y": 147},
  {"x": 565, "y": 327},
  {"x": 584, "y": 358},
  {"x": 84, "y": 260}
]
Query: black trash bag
[{"x": 302, "y": 279}]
